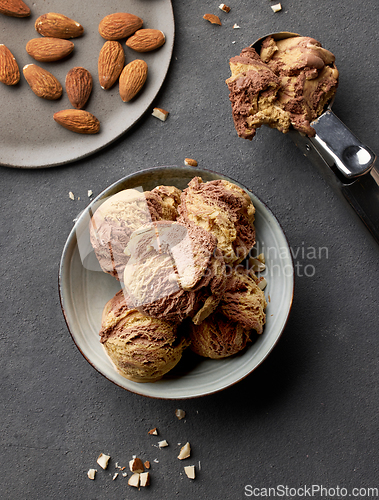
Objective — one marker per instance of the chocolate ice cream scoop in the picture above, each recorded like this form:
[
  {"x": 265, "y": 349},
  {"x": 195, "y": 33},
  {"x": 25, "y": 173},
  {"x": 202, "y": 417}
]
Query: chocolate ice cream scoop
[
  {"x": 300, "y": 80},
  {"x": 121, "y": 214},
  {"x": 224, "y": 210},
  {"x": 142, "y": 349},
  {"x": 174, "y": 271},
  {"x": 218, "y": 337},
  {"x": 243, "y": 301}
]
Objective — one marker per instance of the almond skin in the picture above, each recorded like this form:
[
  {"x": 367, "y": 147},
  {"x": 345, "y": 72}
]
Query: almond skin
[
  {"x": 78, "y": 86},
  {"x": 119, "y": 25},
  {"x": 42, "y": 82},
  {"x": 58, "y": 26},
  {"x": 49, "y": 49},
  {"x": 78, "y": 120},
  {"x": 146, "y": 40},
  {"x": 9, "y": 70},
  {"x": 132, "y": 79},
  {"x": 14, "y": 8},
  {"x": 110, "y": 63}
]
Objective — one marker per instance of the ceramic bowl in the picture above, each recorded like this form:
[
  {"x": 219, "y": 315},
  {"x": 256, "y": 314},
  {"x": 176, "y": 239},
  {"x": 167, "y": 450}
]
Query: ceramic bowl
[{"x": 85, "y": 289}]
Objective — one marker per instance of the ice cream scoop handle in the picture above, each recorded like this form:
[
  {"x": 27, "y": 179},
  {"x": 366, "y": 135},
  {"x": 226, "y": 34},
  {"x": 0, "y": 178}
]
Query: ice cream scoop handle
[{"x": 340, "y": 148}]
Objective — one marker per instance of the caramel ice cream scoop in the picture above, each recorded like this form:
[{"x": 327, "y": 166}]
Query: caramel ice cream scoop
[
  {"x": 174, "y": 271},
  {"x": 224, "y": 210},
  {"x": 121, "y": 214},
  {"x": 243, "y": 301},
  {"x": 299, "y": 81},
  {"x": 142, "y": 348},
  {"x": 218, "y": 337}
]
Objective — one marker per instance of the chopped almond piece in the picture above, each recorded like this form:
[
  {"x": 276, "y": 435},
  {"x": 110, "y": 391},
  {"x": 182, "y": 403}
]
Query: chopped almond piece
[
  {"x": 277, "y": 7},
  {"x": 91, "y": 473},
  {"x": 212, "y": 19},
  {"x": 147, "y": 464},
  {"x": 163, "y": 444},
  {"x": 185, "y": 451},
  {"x": 153, "y": 431},
  {"x": 134, "y": 480},
  {"x": 103, "y": 460},
  {"x": 190, "y": 471},
  {"x": 180, "y": 414},
  {"x": 160, "y": 113},
  {"x": 190, "y": 162},
  {"x": 224, "y": 7},
  {"x": 144, "y": 479},
  {"x": 136, "y": 465}
]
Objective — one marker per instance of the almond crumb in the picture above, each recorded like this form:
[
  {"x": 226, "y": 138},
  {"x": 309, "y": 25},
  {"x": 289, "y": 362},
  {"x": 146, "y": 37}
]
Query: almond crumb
[
  {"x": 134, "y": 480},
  {"x": 162, "y": 444},
  {"x": 224, "y": 7},
  {"x": 190, "y": 471},
  {"x": 89, "y": 193},
  {"x": 277, "y": 7},
  {"x": 185, "y": 451},
  {"x": 92, "y": 473},
  {"x": 136, "y": 465},
  {"x": 180, "y": 414},
  {"x": 103, "y": 460},
  {"x": 71, "y": 195},
  {"x": 235, "y": 26},
  {"x": 212, "y": 18},
  {"x": 114, "y": 476},
  {"x": 160, "y": 113},
  {"x": 154, "y": 431},
  {"x": 190, "y": 162},
  {"x": 147, "y": 464},
  {"x": 144, "y": 479}
]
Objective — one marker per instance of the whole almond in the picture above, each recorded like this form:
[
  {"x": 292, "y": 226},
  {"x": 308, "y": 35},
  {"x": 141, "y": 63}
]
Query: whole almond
[
  {"x": 78, "y": 86},
  {"x": 119, "y": 25},
  {"x": 132, "y": 79},
  {"x": 14, "y": 8},
  {"x": 49, "y": 49},
  {"x": 78, "y": 120},
  {"x": 58, "y": 26},
  {"x": 42, "y": 82},
  {"x": 110, "y": 63},
  {"x": 146, "y": 40},
  {"x": 9, "y": 71}
]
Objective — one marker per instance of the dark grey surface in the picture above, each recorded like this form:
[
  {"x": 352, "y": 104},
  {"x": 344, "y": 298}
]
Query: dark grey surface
[{"x": 309, "y": 414}]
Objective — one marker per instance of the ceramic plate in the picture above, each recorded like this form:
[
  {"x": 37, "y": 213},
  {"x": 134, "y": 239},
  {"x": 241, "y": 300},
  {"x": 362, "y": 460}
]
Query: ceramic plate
[
  {"x": 30, "y": 137},
  {"x": 85, "y": 289}
]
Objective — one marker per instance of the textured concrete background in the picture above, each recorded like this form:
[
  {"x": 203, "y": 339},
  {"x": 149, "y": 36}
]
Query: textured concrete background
[{"x": 309, "y": 414}]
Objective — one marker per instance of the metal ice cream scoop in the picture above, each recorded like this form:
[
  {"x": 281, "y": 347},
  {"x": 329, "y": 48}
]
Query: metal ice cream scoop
[{"x": 343, "y": 158}]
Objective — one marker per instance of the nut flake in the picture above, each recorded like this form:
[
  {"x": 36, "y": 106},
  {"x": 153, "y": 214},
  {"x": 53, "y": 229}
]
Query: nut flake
[
  {"x": 185, "y": 451},
  {"x": 212, "y": 18},
  {"x": 235, "y": 26},
  {"x": 160, "y": 113},
  {"x": 103, "y": 460},
  {"x": 71, "y": 195},
  {"x": 180, "y": 414},
  {"x": 153, "y": 432},
  {"x": 114, "y": 476},
  {"x": 89, "y": 193},
  {"x": 190, "y": 162},
  {"x": 162, "y": 444},
  {"x": 147, "y": 464},
  {"x": 277, "y": 7},
  {"x": 134, "y": 480},
  {"x": 224, "y": 7},
  {"x": 136, "y": 465},
  {"x": 190, "y": 471},
  {"x": 144, "y": 479},
  {"x": 92, "y": 473}
]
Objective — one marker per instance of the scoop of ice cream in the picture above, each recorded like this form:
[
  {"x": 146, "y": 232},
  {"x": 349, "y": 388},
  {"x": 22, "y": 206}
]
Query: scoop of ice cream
[
  {"x": 243, "y": 301},
  {"x": 224, "y": 210},
  {"x": 142, "y": 349},
  {"x": 170, "y": 196},
  {"x": 174, "y": 271},
  {"x": 218, "y": 337},
  {"x": 253, "y": 93},
  {"x": 121, "y": 214},
  {"x": 300, "y": 80}
]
